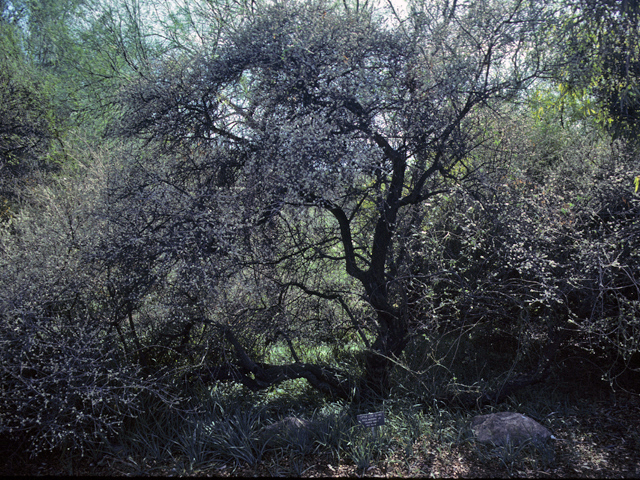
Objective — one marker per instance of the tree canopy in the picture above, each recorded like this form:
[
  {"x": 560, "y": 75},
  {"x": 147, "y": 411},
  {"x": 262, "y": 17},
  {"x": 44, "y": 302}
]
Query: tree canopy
[
  {"x": 28, "y": 125},
  {"x": 600, "y": 59},
  {"x": 341, "y": 122}
]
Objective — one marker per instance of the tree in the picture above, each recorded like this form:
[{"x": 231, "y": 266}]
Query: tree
[
  {"x": 308, "y": 141},
  {"x": 27, "y": 119},
  {"x": 600, "y": 59},
  {"x": 86, "y": 49}
]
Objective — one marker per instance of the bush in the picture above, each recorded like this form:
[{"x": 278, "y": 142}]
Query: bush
[
  {"x": 65, "y": 379},
  {"x": 62, "y": 385},
  {"x": 28, "y": 127},
  {"x": 541, "y": 259}
]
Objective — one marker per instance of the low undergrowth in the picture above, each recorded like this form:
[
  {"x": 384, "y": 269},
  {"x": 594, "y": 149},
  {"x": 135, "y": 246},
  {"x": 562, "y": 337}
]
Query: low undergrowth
[
  {"x": 227, "y": 430},
  {"x": 596, "y": 435}
]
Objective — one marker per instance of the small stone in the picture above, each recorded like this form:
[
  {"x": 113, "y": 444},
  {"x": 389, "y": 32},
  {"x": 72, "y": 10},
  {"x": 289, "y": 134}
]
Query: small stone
[{"x": 508, "y": 427}]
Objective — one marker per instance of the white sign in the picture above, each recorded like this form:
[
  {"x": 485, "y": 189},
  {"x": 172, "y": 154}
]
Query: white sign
[{"x": 372, "y": 420}]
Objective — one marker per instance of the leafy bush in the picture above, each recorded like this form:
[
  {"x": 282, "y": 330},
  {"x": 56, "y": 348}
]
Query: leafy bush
[
  {"x": 28, "y": 125},
  {"x": 541, "y": 258},
  {"x": 65, "y": 380},
  {"x": 62, "y": 385}
]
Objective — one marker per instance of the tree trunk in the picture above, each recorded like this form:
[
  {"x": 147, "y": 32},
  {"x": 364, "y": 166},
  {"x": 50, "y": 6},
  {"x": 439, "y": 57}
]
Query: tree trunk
[{"x": 379, "y": 360}]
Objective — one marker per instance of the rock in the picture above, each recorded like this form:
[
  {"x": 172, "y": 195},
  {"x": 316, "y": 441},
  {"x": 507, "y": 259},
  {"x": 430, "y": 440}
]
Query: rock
[
  {"x": 508, "y": 427},
  {"x": 287, "y": 423},
  {"x": 291, "y": 427}
]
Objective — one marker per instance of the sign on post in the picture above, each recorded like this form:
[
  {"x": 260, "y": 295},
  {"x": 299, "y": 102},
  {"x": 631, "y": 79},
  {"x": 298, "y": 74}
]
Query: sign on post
[{"x": 372, "y": 420}]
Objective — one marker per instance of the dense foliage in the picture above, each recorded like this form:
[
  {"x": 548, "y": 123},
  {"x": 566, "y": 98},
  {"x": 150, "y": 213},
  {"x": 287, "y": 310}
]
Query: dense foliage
[
  {"x": 187, "y": 194},
  {"x": 27, "y": 122},
  {"x": 600, "y": 61},
  {"x": 314, "y": 137}
]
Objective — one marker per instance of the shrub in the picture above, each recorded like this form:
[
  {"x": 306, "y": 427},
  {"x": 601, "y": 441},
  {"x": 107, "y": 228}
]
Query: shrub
[
  {"x": 541, "y": 259},
  {"x": 64, "y": 378}
]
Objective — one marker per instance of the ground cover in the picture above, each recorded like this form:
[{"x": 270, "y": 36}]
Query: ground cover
[{"x": 596, "y": 437}]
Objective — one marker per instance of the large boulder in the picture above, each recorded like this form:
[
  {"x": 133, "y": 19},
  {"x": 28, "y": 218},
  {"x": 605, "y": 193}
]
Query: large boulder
[{"x": 508, "y": 428}]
